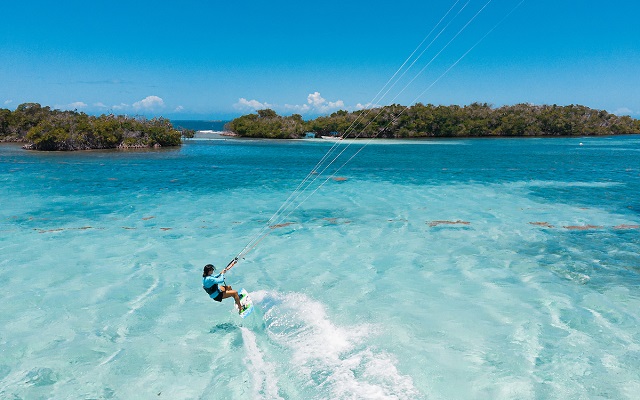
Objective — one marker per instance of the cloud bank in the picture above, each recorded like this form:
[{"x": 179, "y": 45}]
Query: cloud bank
[
  {"x": 315, "y": 104},
  {"x": 625, "y": 111},
  {"x": 76, "y": 105},
  {"x": 251, "y": 104},
  {"x": 149, "y": 103}
]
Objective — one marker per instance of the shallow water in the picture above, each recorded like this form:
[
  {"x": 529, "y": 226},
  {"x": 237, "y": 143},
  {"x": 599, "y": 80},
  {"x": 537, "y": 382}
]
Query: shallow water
[{"x": 439, "y": 269}]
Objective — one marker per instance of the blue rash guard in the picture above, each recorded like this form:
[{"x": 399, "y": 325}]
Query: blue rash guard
[{"x": 209, "y": 281}]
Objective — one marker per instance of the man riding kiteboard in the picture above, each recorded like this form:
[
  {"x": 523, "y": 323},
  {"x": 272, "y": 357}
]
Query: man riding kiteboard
[{"x": 216, "y": 287}]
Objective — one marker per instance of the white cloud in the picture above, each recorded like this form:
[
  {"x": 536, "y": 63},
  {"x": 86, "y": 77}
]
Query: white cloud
[
  {"x": 251, "y": 104},
  {"x": 100, "y": 105},
  {"x": 318, "y": 103},
  {"x": 178, "y": 109},
  {"x": 8, "y": 102},
  {"x": 297, "y": 108},
  {"x": 315, "y": 103},
  {"x": 120, "y": 106},
  {"x": 334, "y": 105},
  {"x": 623, "y": 111},
  {"x": 367, "y": 106},
  {"x": 315, "y": 99},
  {"x": 149, "y": 103},
  {"x": 71, "y": 106}
]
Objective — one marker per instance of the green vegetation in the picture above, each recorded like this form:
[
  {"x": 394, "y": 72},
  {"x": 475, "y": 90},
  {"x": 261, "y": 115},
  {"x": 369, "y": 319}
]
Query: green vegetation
[
  {"x": 46, "y": 129},
  {"x": 420, "y": 120},
  {"x": 267, "y": 124}
]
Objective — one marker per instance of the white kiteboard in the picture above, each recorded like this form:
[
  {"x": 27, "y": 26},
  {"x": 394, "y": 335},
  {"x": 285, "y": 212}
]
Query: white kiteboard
[{"x": 246, "y": 302}]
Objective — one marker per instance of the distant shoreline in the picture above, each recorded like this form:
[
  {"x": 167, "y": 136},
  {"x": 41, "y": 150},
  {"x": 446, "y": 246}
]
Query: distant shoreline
[
  {"x": 424, "y": 121},
  {"x": 231, "y": 135},
  {"x": 211, "y": 134},
  {"x": 44, "y": 129}
]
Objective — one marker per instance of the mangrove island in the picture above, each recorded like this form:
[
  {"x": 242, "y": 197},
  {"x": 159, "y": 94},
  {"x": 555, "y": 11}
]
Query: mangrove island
[
  {"x": 45, "y": 129},
  {"x": 423, "y": 121},
  {"x": 42, "y": 128}
]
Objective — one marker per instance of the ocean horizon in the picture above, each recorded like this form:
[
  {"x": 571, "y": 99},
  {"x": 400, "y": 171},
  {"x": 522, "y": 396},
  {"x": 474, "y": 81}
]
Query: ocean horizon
[
  {"x": 200, "y": 124},
  {"x": 493, "y": 268}
]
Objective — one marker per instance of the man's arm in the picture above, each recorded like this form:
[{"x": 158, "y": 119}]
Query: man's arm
[{"x": 217, "y": 279}]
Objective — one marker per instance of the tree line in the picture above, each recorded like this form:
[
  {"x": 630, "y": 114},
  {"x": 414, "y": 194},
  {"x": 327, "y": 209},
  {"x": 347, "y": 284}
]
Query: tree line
[
  {"x": 46, "y": 129},
  {"x": 419, "y": 121}
]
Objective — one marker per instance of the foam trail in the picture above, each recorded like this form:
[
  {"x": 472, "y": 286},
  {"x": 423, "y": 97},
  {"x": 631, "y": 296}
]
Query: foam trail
[
  {"x": 138, "y": 302},
  {"x": 265, "y": 383},
  {"x": 110, "y": 358},
  {"x": 622, "y": 335},
  {"x": 333, "y": 359}
]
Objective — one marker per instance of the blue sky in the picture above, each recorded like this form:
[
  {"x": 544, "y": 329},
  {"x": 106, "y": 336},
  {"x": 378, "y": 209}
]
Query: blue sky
[{"x": 215, "y": 60}]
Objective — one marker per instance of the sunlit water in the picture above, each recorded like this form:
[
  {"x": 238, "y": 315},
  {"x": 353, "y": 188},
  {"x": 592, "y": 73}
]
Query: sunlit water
[{"x": 443, "y": 269}]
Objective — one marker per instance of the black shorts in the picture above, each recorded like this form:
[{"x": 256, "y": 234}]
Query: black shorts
[{"x": 219, "y": 296}]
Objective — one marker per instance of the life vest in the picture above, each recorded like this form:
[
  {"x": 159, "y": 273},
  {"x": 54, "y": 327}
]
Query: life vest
[{"x": 211, "y": 290}]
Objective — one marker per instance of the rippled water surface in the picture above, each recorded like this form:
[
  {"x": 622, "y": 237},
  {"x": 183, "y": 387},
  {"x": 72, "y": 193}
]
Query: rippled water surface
[{"x": 441, "y": 269}]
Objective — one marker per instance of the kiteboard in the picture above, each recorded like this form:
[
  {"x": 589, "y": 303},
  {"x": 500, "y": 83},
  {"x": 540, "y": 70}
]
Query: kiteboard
[{"x": 246, "y": 302}]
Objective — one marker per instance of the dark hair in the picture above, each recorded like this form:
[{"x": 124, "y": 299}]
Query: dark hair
[{"x": 207, "y": 269}]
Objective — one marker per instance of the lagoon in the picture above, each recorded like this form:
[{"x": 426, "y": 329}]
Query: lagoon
[{"x": 439, "y": 269}]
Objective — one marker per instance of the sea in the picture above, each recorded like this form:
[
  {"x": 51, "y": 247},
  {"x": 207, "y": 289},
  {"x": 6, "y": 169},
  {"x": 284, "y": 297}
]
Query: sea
[
  {"x": 200, "y": 125},
  {"x": 501, "y": 268}
]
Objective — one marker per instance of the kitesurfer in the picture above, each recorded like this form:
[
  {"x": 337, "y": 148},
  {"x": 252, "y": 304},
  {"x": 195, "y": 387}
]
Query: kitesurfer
[{"x": 215, "y": 285}]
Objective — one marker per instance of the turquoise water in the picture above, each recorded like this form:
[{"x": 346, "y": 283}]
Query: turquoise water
[
  {"x": 199, "y": 125},
  {"x": 441, "y": 269}
]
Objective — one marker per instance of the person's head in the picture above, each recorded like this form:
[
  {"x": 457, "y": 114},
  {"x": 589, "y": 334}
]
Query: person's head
[{"x": 208, "y": 270}]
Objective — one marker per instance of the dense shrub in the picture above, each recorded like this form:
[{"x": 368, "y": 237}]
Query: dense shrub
[
  {"x": 477, "y": 119},
  {"x": 46, "y": 129}
]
